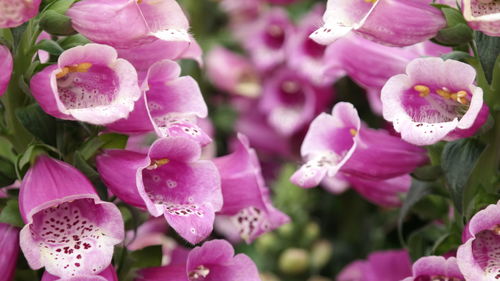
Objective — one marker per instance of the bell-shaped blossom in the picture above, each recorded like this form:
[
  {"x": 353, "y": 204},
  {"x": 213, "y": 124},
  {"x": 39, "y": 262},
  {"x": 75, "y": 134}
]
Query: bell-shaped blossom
[
  {"x": 109, "y": 274},
  {"x": 390, "y": 22},
  {"x": 142, "y": 57},
  {"x": 392, "y": 265},
  {"x": 124, "y": 23},
  {"x": 265, "y": 39},
  {"x": 483, "y": 15},
  {"x": 6, "y": 65},
  {"x": 89, "y": 83},
  {"x": 213, "y": 261},
  {"x": 68, "y": 230},
  {"x": 385, "y": 192},
  {"x": 435, "y": 268},
  {"x": 233, "y": 73},
  {"x": 9, "y": 243},
  {"x": 479, "y": 257},
  {"x": 170, "y": 105},
  {"x": 170, "y": 181},
  {"x": 247, "y": 203},
  {"x": 14, "y": 13},
  {"x": 305, "y": 55},
  {"x": 241, "y": 11},
  {"x": 291, "y": 101},
  {"x": 435, "y": 100},
  {"x": 339, "y": 142}
]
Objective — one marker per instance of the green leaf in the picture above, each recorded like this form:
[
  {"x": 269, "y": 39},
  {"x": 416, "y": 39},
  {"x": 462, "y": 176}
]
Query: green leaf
[
  {"x": 73, "y": 41},
  {"x": 454, "y": 35},
  {"x": 446, "y": 243},
  {"x": 10, "y": 214},
  {"x": 7, "y": 149},
  {"x": 7, "y": 172},
  {"x": 81, "y": 164},
  {"x": 56, "y": 23},
  {"x": 38, "y": 123},
  {"x": 456, "y": 55},
  {"x": 418, "y": 190},
  {"x": 488, "y": 48},
  {"x": 50, "y": 46},
  {"x": 147, "y": 257},
  {"x": 458, "y": 160},
  {"x": 28, "y": 157},
  {"x": 114, "y": 141},
  {"x": 420, "y": 242},
  {"x": 427, "y": 173}
]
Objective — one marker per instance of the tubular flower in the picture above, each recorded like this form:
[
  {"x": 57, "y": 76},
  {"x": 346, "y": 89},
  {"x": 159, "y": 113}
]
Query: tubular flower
[
  {"x": 124, "y": 23},
  {"x": 14, "y": 12},
  {"x": 6, "y": 65},
  {"x": 435, "y": 100},
  {"x": 68, "y": 230},
  {"x": 242, "y": 79},
  {"x": 247, "y": 205},
  {"x": 483, "y": 15},
  {"x": 170, "y": 105},
  {"x": 435, "y": 268},
  {"x": 9, "y": 243},
  {"x": 339, "y": 142},
  {"x": 390, "y": 22},
  {"x": 169, "y": 181},
  {"x": 213, "y": 261},
  {"x": 479, "y": 257},
  {"x": 393, "y": 265},
  {"x": 89, "y": 83},
  {"x": 109, "y": 274}
]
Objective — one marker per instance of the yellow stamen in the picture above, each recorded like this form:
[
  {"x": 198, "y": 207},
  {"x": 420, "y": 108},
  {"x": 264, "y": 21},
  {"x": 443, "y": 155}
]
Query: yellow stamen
[
  {"x": 371, "y": 1},
  {"x": 423, "y": 90},
  {"x": 461, "y": 97},
  {"x": 64, "y": 71},
  {"x": 139, "y": 1},
  {"x": 496, "y": 229},
  {"x": 444, "y": 93},
  {"x": 353, "y": 132},
  {"x": 158, "y": 163}
]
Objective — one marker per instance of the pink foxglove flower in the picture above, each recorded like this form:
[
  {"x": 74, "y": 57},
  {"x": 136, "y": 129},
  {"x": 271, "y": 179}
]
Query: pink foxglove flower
[
  {"x": 265, "y": 39},
  {"x": 436, "y": 268},
  {"x": 6, "y": 65},
  {"x": 169, "y": 181},
  {"x": 392, "y": 265},
  {"x": 247, "y": 203},
  {"x": 213, "y": 261},
  {"x": 68, "y": 230},
  {"x": 391, "y": 22},
  {"x": 339, "y": 142},
  {"x": 427, "y": 104},
  {"x": 14, "y": 13},
  {"x": 122, "y": 23},
  {"x": 233, "y": 73},
  {"x": 89, "y": 83},
  {"x": 385, "y": 192},
  {"x": 109, "y": 274},
  {"x": 170, "y": 105},
  {"x": 9, "y": 243},
  {"x": 479, "y": 257},
  {"x": 483, "y": 15},
  {"x": 291, "y": 101}
]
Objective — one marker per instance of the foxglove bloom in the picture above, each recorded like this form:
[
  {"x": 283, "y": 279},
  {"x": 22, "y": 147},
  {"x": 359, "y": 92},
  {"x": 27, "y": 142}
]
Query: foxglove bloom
[
  {"x": 390, "y": 22},
  {"x": 247, "y": 203},
  {"x": 479, "y": 257},
  {"x": 14, "y": 13},
  {"x": 339, "y": 142},
  {"x": 89, "y": 83},
  {"x": 68, "y": 230},
  {"x": 169, "y": 181},
  {"x": 290, "y": 101},
  {"x": 233, "y": 73},
  {"x": 265, "y": 39},
  {"x": 435, "y": 100},
  {"x": 393, "y": 265},
  {"x": 109, "y": 274},
  {"x": 435, "y": 268},
  {"x": 170, "y": 105},
  {"x": 9, "y": 243},
  {"x": 483, "y": 15},
  {"x": 386, "y": 192},
  {"x": 213, "y": 261},
  {"x": 123, "y": 23},
  {"x": 6, "y": 65}
]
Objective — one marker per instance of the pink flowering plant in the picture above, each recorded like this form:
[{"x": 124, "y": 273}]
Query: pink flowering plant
[{"x": 237, "y": 140}]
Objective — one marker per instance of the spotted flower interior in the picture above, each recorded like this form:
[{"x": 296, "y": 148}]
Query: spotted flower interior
[
  {"x": 86, "y": 85},
  {"x": 72, "y": 237},
  {"x": 481, "y": 8},
  {"x": 486, "y": 252}
]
